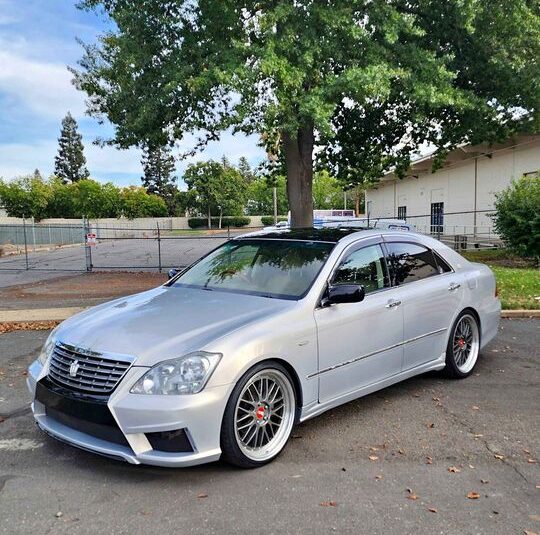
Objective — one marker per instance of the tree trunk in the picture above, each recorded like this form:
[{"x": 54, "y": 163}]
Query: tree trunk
[
  {"x": 209, "y": 218},
  {"x": 298, "y": 148},
  {"x": 220, "y": 216}
]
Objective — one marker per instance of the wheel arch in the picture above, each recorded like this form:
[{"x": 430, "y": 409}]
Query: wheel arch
[{"x": 297, "y": 385}]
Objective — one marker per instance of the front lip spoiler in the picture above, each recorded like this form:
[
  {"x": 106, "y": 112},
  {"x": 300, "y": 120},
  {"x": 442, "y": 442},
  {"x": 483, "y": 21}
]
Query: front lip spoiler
[{"x": 118, "y": 452}]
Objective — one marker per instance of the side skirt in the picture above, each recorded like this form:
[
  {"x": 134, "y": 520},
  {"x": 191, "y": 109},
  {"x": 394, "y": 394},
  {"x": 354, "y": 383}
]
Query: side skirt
[{"x": 315, "y": 409}]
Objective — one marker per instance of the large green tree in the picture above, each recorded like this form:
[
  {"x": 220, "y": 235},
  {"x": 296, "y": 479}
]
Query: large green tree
[
  {"x": 70, "y": 162},
  {"x": 286, "y": 69}
]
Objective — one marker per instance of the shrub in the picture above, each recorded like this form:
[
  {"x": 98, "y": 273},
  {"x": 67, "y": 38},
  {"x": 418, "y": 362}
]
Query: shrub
[
  {"x": 232, "y": 221},
  {"x": 517, "y": 217},
  {"x": 268, "y": 220}
]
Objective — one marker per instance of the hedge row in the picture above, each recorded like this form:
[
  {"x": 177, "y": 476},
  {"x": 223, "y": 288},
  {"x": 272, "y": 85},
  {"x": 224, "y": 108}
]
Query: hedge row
[
  {"x": 268, "y": 220},
  {"x": 202, "y": 222}
]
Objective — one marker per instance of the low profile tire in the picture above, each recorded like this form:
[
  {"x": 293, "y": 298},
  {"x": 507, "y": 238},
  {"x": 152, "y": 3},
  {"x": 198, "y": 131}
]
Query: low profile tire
[
  {"x": 463, "y": 347},
  {"x": 259, "y": 416}
]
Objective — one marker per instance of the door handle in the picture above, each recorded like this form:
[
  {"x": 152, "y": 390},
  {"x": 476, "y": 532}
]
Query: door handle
[
  {"x": 453, "y": 286},
  {"x": 392, "y": 303}
]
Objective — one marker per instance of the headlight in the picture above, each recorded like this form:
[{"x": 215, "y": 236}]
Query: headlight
[
  {"x": 47, "y": 348},
  {"x": 185, "y": 375}
]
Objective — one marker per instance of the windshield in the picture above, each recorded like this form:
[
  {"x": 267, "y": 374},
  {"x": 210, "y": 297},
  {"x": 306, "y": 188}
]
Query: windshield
[{"x": 271, "y": 268}]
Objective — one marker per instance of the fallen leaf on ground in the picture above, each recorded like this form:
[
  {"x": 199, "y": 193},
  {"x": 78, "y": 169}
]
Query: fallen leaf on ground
[
  {"x": 378, "y": 477},
  {"x": 429, "y": 460},
  {"x": 484, "y": 481},
  {"x": 430, "y": 425},
  {"x": 453, "y": 469},
  {"x": 475, "y": 408},
  {"x": 498, "y": 456},
  {"x": 531, "y": 461},
  {"x": 432, "y": 509},
  {"x": 328, "y": 504},
  {"x": 473, "y": 495},
  {"x": 373, "y": 458},
  {"x": 373, "y": 448},
  {"x": 528, "y": 532},
  {"x": 202, "y": 495}
]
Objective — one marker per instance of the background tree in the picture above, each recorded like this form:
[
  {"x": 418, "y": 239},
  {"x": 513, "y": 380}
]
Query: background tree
[
  {"x": 217, "y": 188},
  {"x": 27, "y": 196},
  {"x": 137, "y": 203},
  {"x": 159, "y": 168},
  {"x": 248, "y": 174},
  {"x": 260, "y": 196},
  {"x": 327, "y": 191},
  {"x": 283, "y": 69},
  {"x": 517, "y": 216},
  {"x": 70, "y": 163}
]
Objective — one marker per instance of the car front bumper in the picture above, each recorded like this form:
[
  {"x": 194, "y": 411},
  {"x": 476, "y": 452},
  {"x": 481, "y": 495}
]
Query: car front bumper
[{"x": 138, "y": 417}]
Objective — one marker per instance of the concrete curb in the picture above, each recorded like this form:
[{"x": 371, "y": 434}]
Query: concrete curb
[
  {"x": 520, "y": 314},
  {"x": 60, "y": 314},
  {"x": 38, "y": 314}
]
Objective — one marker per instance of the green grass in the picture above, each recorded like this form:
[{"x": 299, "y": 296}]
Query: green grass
[
  {"x": 518, "y": 280},
  {"x": 186, "y": 232}
]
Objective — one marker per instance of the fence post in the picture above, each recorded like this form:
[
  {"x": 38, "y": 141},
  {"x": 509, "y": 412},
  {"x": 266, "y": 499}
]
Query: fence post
[
  {"x": 34, "y": 233},
  {"x": 25, "y": 243},
  {"x": 228, "y": 232},
  {"x": 87, "y": 248},
  {"x": 159, "y": 246}
]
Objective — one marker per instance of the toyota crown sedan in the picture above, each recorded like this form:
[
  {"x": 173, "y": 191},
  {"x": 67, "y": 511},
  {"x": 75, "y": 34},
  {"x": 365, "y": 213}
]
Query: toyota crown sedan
[{"x": 268, "y": 330}]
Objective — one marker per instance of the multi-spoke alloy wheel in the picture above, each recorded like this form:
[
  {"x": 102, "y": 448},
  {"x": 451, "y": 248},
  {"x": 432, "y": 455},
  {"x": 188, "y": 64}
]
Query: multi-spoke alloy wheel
[
  {"x": 263, "y": 413},
  {"x": 463, "y": 346}
]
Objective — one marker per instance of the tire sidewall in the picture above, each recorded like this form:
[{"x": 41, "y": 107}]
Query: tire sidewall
[{"x": 231, "y": 451}]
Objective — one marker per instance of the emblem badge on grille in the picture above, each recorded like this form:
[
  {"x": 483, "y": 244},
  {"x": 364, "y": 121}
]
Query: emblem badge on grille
[{"x": 74, "y": 368}]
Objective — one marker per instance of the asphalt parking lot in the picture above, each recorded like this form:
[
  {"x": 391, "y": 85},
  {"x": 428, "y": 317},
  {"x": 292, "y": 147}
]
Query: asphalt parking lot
[
  {"x": 403, "y": 460},
  {"x": 134, "y": 254}
]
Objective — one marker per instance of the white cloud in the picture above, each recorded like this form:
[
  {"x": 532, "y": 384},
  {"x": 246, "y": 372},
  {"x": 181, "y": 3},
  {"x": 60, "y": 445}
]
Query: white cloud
[
  {"x": 18, "y": 159},
  {"x": 42, "y": 87}
]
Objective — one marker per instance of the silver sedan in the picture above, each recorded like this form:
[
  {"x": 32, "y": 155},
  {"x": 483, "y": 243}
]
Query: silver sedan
[{"x": 268, "y": 330}]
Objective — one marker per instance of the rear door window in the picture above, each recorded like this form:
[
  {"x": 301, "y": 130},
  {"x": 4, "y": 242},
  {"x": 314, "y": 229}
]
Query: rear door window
[{"x": 410, "y": 262}]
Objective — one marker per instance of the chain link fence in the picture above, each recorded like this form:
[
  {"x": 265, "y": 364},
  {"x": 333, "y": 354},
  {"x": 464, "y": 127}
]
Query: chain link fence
[{"x": 89, "y": 247}]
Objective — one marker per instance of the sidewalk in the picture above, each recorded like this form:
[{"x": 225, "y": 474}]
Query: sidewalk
[{"x": 76, "y": 290}]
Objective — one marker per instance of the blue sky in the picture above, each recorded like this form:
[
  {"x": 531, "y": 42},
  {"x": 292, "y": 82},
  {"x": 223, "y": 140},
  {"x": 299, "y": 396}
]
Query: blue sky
[{"x": 37, "y": 42}]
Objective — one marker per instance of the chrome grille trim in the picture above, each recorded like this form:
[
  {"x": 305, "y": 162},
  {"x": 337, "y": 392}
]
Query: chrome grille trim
[{"x": 97, "y": 373}]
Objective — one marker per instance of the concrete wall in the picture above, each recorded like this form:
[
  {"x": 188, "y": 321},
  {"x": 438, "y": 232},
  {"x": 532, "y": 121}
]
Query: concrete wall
[
  {"x": 70, "y": 231},
  {"x": 455, "y": 186}
]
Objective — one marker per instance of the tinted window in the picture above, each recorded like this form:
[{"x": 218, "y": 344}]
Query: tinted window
[
  {"x": 272, "y": 268},
  {"x": 365, "y": 266},
  {"x": 410, "y": 262},
  {"x": 443, "y": 266}
]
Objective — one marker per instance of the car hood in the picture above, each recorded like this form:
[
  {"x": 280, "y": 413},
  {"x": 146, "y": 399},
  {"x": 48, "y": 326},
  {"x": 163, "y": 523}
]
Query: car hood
[{"x": 166, "y": 322}]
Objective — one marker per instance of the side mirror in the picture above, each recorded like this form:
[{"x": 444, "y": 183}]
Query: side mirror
[
  {"x": 343, "y": 293},
  {"x": 173, "y": 272}
]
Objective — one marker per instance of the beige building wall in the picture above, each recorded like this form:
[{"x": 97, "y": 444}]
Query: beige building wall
[{"x": 455, "y": 185}]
